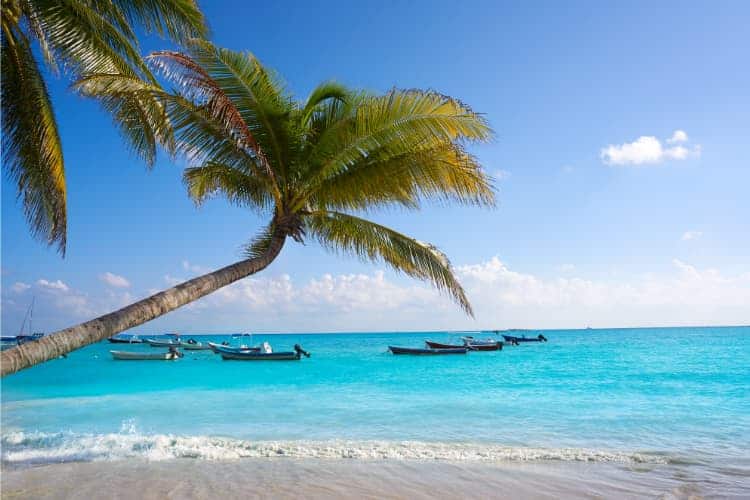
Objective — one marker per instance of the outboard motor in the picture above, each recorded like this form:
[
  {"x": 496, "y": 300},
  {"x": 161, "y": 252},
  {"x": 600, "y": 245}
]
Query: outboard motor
[
  {"x": 542, "y": 338},
  {"x": 298, "y": 349}
]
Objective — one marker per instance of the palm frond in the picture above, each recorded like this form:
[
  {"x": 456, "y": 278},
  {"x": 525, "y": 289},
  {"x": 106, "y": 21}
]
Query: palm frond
[
  {"x": 393, "y": 124},
  {"x": 180, "y": 20},
  {"x": 137, "y": 108},
  {"x": 369, "y": 241},
  {"x": 446, "y": 173},
  {"x": 323, "y": 92},
  {"x": 240, "y": 188},
  {"x": 259, "y": 245},
  {"x": 32, "y": 153},
  {"x": 84, "y": 40}
]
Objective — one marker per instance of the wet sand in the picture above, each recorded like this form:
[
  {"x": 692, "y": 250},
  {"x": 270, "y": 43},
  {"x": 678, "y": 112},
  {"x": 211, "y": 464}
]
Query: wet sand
[{"x": 320, "y": 478}]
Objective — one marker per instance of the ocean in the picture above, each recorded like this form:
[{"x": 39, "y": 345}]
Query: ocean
[{"x": 671, "y": 403}]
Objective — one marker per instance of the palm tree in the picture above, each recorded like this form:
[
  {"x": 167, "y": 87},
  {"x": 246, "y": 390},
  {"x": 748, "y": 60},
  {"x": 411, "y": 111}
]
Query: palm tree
[
  {"x": 79, "y": 37},
  {"x": 312, "y": 167}
]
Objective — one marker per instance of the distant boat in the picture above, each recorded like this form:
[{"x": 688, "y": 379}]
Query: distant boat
[
  {"x": 221, "y": 348},
  {"x": 266, "y": 356},
  {"x": 133, "y": 339},
  {"x": 482, "y": 344},
  {"x": 22, "y": 337},
  {"x": 438, "y": 345},
  {"x": 146, "y": 356},
  {"x": 163, "y": 343},
  {"x": 416, "y": 351},
  {"x": 478, "y": 346},
  {"x": 538, "y": 338},
  {"x": 192, "y": 345}
]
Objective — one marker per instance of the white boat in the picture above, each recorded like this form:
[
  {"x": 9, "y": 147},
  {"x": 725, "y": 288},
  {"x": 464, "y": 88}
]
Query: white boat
[
  {"x": 142, "y": 356},
  {"x": 163, "y": 343},
  {"x": 195, "y": 346}
]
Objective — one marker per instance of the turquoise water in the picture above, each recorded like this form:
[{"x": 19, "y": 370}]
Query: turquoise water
[{"x": 661, "y": 395}]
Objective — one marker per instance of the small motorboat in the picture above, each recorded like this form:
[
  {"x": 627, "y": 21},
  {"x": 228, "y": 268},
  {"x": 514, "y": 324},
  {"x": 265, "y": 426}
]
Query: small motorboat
[
  {"x": 518, "y": 340},
  {"x": 438, "y": 345},
  {"x": 163, "y": 343},
  {"x": 193, "y": 345},
  {"x": 482, "y": 344},
  {"x": 133, "y": 339},
  {"x": 417, "y": 351},
  {"x": 146, "y": 356},
  {"x": 269, "y": 355},
  {"x": 226, "y": 348}
]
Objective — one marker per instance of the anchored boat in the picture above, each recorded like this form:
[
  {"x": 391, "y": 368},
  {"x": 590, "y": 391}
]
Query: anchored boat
[
  {"x": 512, "y": 339},
  {"x": 266, "y": 355},
  {"x": 417, "y": 351},
  {"x": 133, "y": 339},
  {"x": 146, "y": 356},
  {"x": 226, "y": 348}
]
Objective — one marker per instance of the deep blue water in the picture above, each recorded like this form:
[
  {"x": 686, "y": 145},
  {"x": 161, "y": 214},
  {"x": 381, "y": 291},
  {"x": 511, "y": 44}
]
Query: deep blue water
[{"x": 680, "y": 393}]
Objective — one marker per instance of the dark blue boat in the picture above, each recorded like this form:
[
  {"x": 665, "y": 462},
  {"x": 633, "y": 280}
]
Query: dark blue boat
[
  {"x": 410, "y": 350},
  {"x": 512, "y": 339}
]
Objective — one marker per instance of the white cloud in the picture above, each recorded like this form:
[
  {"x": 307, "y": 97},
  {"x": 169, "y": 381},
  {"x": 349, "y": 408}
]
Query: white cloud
[
  {"x": 691, "y": 235},
  {"x": 677, "y": 137},
  {"x": 649, "y": 150},
  {"x": 53, "y": 285},
  {"x": 379, "y": 301},
  {"x": 19, "y": 287},
  {"x": 567, "y": 169},
  {"x": 114, "y": 280},
  {"x": 502, "y": 297}
]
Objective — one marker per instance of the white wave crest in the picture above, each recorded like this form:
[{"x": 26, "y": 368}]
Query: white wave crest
[{"x": 35, "y": 447}]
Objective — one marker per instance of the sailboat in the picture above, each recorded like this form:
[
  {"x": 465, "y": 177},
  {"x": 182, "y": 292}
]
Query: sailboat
[{"x": 11, "y": 341}]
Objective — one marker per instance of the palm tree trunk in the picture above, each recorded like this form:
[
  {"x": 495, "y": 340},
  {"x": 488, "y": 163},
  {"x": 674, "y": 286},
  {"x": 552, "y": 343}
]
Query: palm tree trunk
[{"x": 70, "y": 339}]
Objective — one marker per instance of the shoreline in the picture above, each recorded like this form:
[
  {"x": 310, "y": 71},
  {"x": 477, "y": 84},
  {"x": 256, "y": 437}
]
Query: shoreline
[{"x": 331, "y": 478}]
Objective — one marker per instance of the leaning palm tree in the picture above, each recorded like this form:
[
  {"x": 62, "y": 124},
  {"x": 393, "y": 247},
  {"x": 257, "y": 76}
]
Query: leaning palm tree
[
  {"x": 79, "y": 37},
  {"x": 313, "y": 168}
]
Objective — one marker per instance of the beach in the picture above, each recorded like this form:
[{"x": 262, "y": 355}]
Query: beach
[
  {"x": 320, "y": 478},
  {"x": 630, "y": 413}
]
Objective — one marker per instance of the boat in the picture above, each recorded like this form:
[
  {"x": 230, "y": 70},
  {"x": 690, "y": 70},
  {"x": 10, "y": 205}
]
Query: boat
[
  {"x": 144, "y": 356},
  {"x": 133, "y": 339},
  {"x": 226, "y": 348},
  {"x": 163, "y": 343},
  {"x": 192, "y": 345},
  {"x": 295, "y": 355},
  {"x": 417, "y": 351},
  {"x": 438, "y": 345},
  {"x": 512, "y": 339},
  {"x": 22, "y": 337},
  {"x": 482, "y": 344}
]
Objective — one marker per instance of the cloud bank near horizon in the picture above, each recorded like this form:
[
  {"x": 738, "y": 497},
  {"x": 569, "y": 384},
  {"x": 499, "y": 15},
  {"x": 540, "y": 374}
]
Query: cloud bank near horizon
[{"x": 380, "y": 301}]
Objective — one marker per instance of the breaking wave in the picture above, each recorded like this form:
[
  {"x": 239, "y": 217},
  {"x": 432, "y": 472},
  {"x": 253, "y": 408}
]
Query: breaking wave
[{"x": 29, "y": 448}]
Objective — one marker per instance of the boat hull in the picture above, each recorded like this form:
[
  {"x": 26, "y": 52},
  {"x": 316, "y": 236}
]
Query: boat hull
[
  {"x": 496, "y": 346},
  {"x": 510, "y": 338},
  {"x": 144, "y": 356},
  {"x": 260, "y": 356},
  {"x": 115, "y": 340},
  {"x": 195, "y": 347},
  {"x": 437, "y": 345},
  {"x": 162, "y": 343},
  {"x": 218, "y": 348},
  {"x": 420, "y": 352}
]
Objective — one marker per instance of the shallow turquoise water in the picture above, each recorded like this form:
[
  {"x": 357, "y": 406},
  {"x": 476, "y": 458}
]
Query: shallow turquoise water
[{"x": 681, "y": 395}]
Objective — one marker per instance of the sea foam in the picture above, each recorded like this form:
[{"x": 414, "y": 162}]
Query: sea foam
[{"x": 26, "y": 448}]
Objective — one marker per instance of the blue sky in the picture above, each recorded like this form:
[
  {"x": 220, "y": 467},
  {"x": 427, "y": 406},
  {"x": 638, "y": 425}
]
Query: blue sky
[{"x": 621, "y": 161}]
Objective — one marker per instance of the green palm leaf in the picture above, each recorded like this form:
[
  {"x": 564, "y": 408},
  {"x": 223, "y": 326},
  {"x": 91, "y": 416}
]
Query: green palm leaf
[
  {"x": 369, "y": 241},
  {"x": 32, "y": 152}
]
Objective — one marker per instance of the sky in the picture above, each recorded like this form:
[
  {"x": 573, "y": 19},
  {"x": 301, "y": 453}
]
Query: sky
[{"x": 621, "y": 163}]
